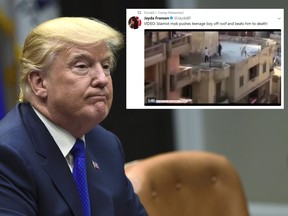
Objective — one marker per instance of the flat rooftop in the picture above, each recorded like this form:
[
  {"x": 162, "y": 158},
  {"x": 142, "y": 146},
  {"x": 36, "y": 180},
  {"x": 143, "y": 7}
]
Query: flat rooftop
[{"x": 233, "y": 52}]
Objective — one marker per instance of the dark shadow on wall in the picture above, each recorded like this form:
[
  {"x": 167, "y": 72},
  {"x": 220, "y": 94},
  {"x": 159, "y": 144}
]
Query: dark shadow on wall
[{"x": 142, "y": 132}]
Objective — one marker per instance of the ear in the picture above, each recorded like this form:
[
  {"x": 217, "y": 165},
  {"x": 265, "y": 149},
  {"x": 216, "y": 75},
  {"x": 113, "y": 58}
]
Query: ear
[{"x": 38, "y": 84}]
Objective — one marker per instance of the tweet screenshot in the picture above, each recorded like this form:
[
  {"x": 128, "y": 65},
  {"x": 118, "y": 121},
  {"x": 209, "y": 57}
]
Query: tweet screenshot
[{"x": 205, "y": 58}]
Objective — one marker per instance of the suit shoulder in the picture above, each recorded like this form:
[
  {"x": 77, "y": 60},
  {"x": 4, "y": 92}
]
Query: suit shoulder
[
  {"x": 103, "y": 137},
  {"x": 101, "y": 131},
  {"x": 11, "y": 124}
]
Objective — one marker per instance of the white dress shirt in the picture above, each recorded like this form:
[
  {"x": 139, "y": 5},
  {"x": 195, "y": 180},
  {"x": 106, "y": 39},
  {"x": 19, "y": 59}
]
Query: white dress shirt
[{"x": 63, "y": 138}]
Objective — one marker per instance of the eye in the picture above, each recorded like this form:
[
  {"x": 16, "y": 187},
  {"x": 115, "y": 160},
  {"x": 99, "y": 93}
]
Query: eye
[
  {"x": 81, "y": 66},
  {"x": 106, "y": 66}
]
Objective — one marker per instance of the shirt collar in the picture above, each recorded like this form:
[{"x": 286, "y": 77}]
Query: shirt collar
[{"x": 63, "y": 138}]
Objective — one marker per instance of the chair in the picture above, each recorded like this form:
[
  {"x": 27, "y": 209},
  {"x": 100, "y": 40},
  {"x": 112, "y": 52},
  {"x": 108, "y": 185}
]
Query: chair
[{"x": 188, "y": 183}]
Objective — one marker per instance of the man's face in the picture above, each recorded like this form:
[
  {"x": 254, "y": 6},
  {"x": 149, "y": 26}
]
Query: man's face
[{"x": 79, "y": 86}]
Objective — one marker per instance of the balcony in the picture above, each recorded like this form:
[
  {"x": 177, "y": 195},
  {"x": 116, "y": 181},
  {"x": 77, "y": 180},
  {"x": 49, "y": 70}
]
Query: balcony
[
  {"x": 185, "y": 76},
  {"x": 215, "y": 70},
  {"x": 155, "y": 54},
  {"x": 150, "y": 89},
  {"x": 179, "y": 45},
  {"x": 222, "y": 72}
]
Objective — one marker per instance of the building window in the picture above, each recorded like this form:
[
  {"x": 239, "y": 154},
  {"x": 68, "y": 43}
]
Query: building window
[
  {"x": 241, "y": 81},
  {"x": 253, "y": 72},
  {"x": 187, "y": 91},
  {"x": 264, "y": 67}
]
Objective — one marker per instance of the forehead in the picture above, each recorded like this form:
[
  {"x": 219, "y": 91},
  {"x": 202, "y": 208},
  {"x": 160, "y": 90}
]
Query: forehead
[{"x": 97, "y": 52}]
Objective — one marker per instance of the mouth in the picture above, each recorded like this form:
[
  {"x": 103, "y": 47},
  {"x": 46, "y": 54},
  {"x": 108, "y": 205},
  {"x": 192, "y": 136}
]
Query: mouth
[{"x": 97, "y": 98}]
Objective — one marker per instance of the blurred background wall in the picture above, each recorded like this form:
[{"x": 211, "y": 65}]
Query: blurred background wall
[
  {"x": 17, "y": 18},
  {"x": 254, "y": 140}
]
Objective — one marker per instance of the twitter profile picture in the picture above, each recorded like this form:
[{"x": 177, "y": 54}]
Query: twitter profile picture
[{"x": 134, "y": 22}]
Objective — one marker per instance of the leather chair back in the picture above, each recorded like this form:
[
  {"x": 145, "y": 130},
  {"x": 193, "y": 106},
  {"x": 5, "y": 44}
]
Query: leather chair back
[{"x": 188, "y": 183}]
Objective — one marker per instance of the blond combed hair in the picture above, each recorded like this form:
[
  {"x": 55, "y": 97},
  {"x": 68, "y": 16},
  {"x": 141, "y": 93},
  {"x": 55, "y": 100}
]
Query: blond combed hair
[{"x": 45, "y": 41}]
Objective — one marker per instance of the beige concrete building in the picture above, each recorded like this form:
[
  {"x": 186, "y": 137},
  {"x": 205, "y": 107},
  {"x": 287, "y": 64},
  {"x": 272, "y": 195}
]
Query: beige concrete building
[
  {"x": 241, "y": 74},
  {"x": 250, "y": 70},
  {"x": 276, "y": 85},
  {"x": 162, "y": 59},
  {"x": 276, "y": 79}
]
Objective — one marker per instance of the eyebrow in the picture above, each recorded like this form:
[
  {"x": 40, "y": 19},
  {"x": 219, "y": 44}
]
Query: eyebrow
[
  {"x": 84, "y": 55},
  {"x": 72, "y": 57}
]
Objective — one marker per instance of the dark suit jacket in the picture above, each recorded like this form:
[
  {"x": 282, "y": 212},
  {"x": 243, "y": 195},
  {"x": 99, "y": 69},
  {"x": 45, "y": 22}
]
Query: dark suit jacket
[{"x": 36, "y": 180}]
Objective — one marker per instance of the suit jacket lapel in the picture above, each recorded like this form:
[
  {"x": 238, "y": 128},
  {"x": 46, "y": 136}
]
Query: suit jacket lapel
[
  {"x": 53, "y": 161},
  {"x": 58, "y": 170}
]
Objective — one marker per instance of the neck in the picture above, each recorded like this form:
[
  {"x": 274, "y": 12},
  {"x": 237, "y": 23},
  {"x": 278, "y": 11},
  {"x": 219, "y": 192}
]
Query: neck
[{"x": 77, "y": 129}]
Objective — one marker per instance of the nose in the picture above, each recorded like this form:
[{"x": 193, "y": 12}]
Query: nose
[{"x": 99, "y": 76}]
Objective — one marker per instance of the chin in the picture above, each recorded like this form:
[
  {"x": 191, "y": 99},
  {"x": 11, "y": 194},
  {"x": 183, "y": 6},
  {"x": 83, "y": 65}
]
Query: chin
[{"x": 100, "y": 113}]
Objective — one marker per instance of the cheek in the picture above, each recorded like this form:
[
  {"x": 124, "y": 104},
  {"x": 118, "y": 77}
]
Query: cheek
[
  {"x": 64, "y": 91},
  {"x": 110, "y": 87}
]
